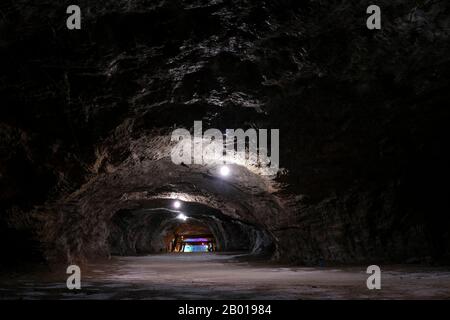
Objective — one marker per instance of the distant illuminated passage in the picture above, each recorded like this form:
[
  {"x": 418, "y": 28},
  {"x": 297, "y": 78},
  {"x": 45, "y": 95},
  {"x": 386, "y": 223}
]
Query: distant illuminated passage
[
  {"x": 195, "y": 248},
  {"x": 177, "y": 204},
  {"x": 194, "y": 243}
]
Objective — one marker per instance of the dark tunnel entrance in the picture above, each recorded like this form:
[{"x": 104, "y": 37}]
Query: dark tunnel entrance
[{"x": 157, "y": 228}]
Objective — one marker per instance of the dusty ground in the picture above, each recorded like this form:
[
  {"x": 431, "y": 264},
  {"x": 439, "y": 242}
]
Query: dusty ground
[{"x": 220, "y": 276}]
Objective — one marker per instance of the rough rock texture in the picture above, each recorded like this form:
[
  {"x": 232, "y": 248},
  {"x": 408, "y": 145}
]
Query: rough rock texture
[{"x": 86, "y": 119}]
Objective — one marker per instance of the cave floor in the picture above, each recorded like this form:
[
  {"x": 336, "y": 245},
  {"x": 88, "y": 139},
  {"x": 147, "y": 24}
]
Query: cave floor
[{"x": 222, "y": 276}]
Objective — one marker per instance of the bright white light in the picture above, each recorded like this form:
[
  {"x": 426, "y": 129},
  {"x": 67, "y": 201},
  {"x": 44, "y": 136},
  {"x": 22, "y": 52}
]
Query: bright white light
[
  {"x": 224, "y": 171},
  {"x": 177, "y": 204},
  {"x": 182, "y": 217}
]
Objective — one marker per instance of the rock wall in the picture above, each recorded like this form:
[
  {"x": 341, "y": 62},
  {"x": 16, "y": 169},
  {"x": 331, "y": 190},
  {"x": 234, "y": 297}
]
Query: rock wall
[{"x": 363, "y": 121}]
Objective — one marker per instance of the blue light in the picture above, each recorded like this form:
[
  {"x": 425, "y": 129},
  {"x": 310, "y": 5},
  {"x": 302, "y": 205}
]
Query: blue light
[{"x": 195, "y": 248}]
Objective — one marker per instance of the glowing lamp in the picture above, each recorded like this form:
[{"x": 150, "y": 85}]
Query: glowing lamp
[
  {"x": 182, "y": 217},
  {"x": 224, "y": 171}
]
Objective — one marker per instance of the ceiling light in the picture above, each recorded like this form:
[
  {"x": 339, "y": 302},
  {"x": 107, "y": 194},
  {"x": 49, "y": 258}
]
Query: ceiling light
[
  {"x": 177, "y": 204},
  {"x": 182, "y": 217},
  {"x": 224, "y": 171}
]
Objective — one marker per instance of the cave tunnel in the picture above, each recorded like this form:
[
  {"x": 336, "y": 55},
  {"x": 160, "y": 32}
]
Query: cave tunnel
[
  {"x": 191, "y": 227},
  {"x": 343, "y": 162}
]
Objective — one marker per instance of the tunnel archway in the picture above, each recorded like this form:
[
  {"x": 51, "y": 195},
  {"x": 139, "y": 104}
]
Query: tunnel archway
[
  {"x": 157, "y": 228},
  {"x": 190, "y": 235},
  {"x": 241, "y": 203}
]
